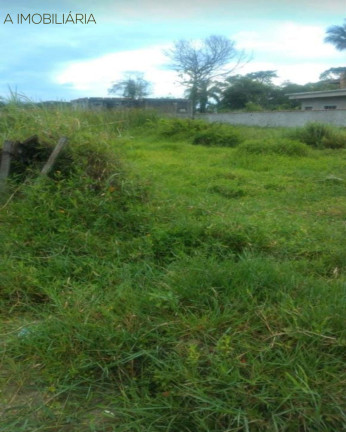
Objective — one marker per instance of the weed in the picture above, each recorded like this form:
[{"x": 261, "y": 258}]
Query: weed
[
  {"x": 320, "y": 135},
  {"x": 217, "y": 135},
  {"x": 199, "y": 132}
]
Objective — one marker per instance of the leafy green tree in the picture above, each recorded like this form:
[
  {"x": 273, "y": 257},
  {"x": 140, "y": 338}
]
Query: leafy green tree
[
  {"x": 323, "y": 84},
  {"x": 264, "y": 77},
  {"x": 336, "y": 77},
  {"x": 336, "y": 35},
  {"x": 253, "y": 89},
  {"x": 133, "y": 86},
  {"x": 200, "y": 63}
]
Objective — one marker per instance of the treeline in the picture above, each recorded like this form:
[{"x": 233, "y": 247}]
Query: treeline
[{"x": 256, "y": 91}]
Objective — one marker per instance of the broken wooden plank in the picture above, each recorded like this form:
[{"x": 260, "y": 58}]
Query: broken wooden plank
[
  {"x": 54, "y": 155},
  {"x": 7, "y": 151}
]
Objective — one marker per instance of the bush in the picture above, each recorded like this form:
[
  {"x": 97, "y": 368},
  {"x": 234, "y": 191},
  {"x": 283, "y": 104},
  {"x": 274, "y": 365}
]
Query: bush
[
  {"x": 217, "y": 135},
  {"x": 281, "y": 146},
  {"x": 199, "y": 132},
  {"x": 335, "y": 141},
  {"x": 320, "y": 135}
]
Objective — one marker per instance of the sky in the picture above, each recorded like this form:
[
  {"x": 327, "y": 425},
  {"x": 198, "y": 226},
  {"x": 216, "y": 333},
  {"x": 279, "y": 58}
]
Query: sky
[{"x": 69, "y": 61}]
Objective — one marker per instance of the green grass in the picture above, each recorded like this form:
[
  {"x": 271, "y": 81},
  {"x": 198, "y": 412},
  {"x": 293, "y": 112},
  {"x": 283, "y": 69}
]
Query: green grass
[{"x": 151, "y": 284}]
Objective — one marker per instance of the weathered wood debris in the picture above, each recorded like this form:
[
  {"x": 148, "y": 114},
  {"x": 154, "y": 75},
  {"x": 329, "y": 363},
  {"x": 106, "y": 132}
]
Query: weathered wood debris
[{"x": 17, "y": 157}]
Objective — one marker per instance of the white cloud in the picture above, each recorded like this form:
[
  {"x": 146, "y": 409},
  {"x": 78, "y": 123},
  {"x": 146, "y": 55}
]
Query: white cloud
[
  {"x": 289, "y": 40},
  {"x": 94, "y": 77},
  {"x": 297, "y": 52},
  {"x": 302, "y": 73}
]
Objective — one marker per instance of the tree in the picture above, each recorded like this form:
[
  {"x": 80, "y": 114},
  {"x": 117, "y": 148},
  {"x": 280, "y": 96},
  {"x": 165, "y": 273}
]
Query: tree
[
  {"x": 336, "y": 35},
  {"x": 334, "y": 76},
  {"x": 332, "y": 73},
  {"x": 264, "y": 77},
  {"x": 252, "y": 89},
  {"x": 200, "y": 63},
  {"x": 256, "y": 90},
  {"x": 133, "y": 86}
]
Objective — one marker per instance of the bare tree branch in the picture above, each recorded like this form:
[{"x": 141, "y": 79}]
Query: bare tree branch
[{"x": 200, "y": 63}]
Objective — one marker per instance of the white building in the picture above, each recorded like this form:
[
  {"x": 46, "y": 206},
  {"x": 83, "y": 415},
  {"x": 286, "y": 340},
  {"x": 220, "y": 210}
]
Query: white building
[{"x": 321, "y": 100}]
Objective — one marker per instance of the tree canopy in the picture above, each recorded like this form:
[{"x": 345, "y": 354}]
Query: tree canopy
[
  {"x": 256, "y": 91},
  {"x": 333, "y": 73},
  {"x": 264, "y": 77},
  {"x": 132, "y": 86},
  {"x": 336, "y": 35}
]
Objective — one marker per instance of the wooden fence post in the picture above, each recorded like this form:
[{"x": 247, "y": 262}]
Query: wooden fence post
[{"x": 52, "y": 158}]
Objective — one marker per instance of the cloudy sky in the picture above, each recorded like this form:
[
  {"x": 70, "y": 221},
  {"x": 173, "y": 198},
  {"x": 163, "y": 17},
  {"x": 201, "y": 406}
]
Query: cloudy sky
[{"x": 67, "y": 61}]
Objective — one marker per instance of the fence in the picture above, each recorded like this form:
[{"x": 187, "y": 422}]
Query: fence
[{"x": 279, "y": 118}]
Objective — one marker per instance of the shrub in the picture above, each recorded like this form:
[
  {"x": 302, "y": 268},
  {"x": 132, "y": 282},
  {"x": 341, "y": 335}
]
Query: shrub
[
  {"x": 320, "y": 135},
  {"x": 217, "y": 135},
  {"x": 199, "y": 132},
  {"x": 281, "y": 146},
  {"x": 335, "y": 141}
]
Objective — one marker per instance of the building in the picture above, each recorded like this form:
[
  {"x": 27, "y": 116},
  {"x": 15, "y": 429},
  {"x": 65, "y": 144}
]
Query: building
[
  {"x": 100, "y": 103},
  {"x": 163, "y": 105},
  {"x": 169, "y": 106},
  {"x": 321, "y": 100}
]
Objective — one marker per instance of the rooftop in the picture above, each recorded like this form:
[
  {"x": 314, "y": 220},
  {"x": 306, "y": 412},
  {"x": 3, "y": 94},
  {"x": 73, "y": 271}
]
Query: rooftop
[{"x": 318, "y": 94}]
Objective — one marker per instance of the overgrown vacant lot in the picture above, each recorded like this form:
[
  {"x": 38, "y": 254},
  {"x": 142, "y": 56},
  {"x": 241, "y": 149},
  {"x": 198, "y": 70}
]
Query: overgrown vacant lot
[{"x": 173, "y": 276}]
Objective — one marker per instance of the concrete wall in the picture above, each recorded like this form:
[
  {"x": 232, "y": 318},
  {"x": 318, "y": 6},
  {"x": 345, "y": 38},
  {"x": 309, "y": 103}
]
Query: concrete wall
[{"x": 279, "y": 118}]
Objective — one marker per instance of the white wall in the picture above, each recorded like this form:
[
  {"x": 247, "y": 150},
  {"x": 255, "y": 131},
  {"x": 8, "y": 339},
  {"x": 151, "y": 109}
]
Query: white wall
[
  {"x": 320, "y": 103},
  {"x": 279, "y": 118}
]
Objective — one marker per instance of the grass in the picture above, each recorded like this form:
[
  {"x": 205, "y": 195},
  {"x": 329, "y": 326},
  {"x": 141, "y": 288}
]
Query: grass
[{"x": 152, "y": 284}]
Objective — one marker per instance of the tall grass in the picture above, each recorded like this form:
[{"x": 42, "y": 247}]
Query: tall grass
[
  {"x": 321, "y": 136},
  {"x": 151, "y": 284}
]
